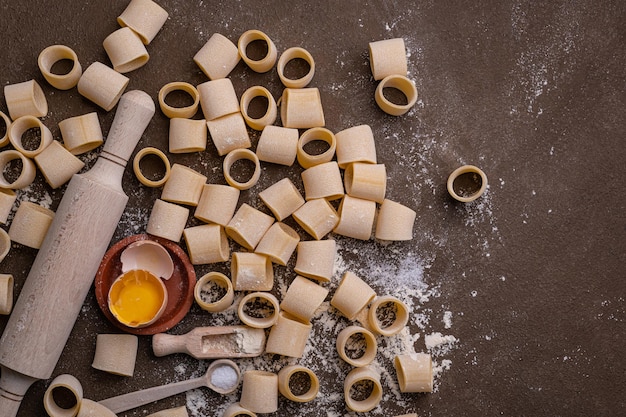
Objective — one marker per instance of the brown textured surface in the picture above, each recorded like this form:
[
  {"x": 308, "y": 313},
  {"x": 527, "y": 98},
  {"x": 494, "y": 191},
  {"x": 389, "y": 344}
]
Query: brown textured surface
[{"x": 531, "y": 92}]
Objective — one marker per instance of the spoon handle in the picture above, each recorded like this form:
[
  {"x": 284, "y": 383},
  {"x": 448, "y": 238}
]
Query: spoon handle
[{"x": 138, "y": 398}]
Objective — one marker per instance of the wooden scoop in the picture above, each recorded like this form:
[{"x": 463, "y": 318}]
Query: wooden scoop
[{"x": 213, "y": 342}]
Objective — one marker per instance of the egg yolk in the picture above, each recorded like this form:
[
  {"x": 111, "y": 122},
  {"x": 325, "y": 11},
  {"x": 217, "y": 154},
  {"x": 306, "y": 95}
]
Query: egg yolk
[{"x": 136, "y": 298}]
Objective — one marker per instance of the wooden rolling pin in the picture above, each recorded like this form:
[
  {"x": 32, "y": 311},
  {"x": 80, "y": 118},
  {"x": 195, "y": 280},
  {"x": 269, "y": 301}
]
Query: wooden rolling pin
[{"x": 68, "y": 259}]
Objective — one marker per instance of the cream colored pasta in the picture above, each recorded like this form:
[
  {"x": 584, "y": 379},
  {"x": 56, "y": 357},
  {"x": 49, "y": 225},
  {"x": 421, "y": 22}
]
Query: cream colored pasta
[
  {"x": 288, "y": 337},
  {"x": 217, "y": 203},
  {"x": 301, "y": 108},
  {"x": 179, "y": 112},
  {"x": 278, "y": 145},
  {"x": 7, "y": 199},
  {"x": 289, "y": 55},
  {"x": 248, "y": 226},
  {"x": 18, "y": 129},
  {"x": 355, "y": 144},
  {"x": 90, "y": 408},
  {"x": 360, "y": 375},
  {"x": 366, "y": 181},
  {"x": 388, "y": 57},
  {"x": 259, "y": 392},
  {"x": 323, "y": 181},
  {"x": 229, "y": 133},
  {"x": 203, "y": 288},
  {"x": 53, "y": 54},
  {"x": 356, "y": 218},
  {"x": 218, "y": 98},
  {"x": 278, "y": 243},
  {"x": 27, "y": 174},
  {"x": 395, "y": 221},
  {"x": 30, "y": 224},
  {"x": 145, "y": 17},
  {"x": 316, "y": 259},
  {"x": 251, "y": 272},
  {"x": 346, "y": 343},
  {"x": 307, "y": 160},
  {"x": 125, "y": 50},
  {"x": 415, "y": 372},
  {"x": 284, "y": 378},
  {"x": 268, "y": 118},
  {"x": 67, "y": 383},
  {"x": 116, "y": 354},
  {"x": 477, "y": 186},
  {"x": 7, "y": 124},
  {"x": 167, "y": 169},
  {"x": 303, "y": 298},
  {"x": 265, "y": 298},
  {"x": 57, "y": 164},
  {"x": 317, "y": 217},
  {"x": 25, "y": 99},
  {"x": 236, "y": 410},
  {"x": 237, "y": 155},
  {"x": 217, "y": 57},
  {"x": 167, "y": 220},
  {"x": 184, "y": 186},
  {"x": 102, "y": 85},
  {"x": 5, "y": 244},
  {"x": 258, "y": 65},
  {"x": 6, "y": 294},
  {"x": 352, "y": 295},
  {"x": 405, "y": 86},
  {"x": 282, "y": 198},
  {"x": 206, "y": 244},
  {"x": 81, "y": 133},
  {"x": 171, "y": 412},
  {"x": 398, "y": 321}
]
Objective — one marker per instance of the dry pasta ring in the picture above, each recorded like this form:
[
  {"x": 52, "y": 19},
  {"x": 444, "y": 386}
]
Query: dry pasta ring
[
  {"x": 358, "y": 376},
  {"x": 285, "y": 376},
  {"x": 387, "y": 57},
  {"x": 67, "y": 383},
  {"x": 414, "y": 372},
  {"x": 181, "y": 112},
  {"x": 347, "y": 342},
  {"x": 259, "y": 322},
  {"x": 25, "y": 98},
  {"x": 258, "y": 65},
  {"x": 27, "y": 174},
  {"x": 5, "y": 244},
  {"x": 405, "y": 86},
  {"x": 399, "y": 317},
  {"x": 116, "y": 354},
  {"x": 236, "y": 410},
  {"x": 236, "y": 155},
  {"x": 7, "y": 199},
  {"x": 144, "y": 17},
  {"x": 53, "y": 54},
  {"x": 7, "y": 124},
  {"x": 289, "y": 55},
  {"x": 137, "y": 167},
  {"x": 270, "y": 114},
  {"x": 470, "y": 189},
  {"x": 6, "y": 293},
  {"x": 206, "y": 284},
  {"x": 20, "y": 126},
  {"x": 307, "y": 160}
]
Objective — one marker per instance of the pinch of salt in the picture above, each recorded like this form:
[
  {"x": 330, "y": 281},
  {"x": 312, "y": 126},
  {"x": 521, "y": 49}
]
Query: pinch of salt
[{"x": 224, "y": 377}]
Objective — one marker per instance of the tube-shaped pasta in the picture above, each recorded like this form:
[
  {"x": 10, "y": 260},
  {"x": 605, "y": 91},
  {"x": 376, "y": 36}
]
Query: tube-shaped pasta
[
  {"x": 68, "y": 384},
  {"x": 217, "y": 57},
  {"x": 217, "y": 203},
  {"x": 5, "y": 244},
  {"x": 259, "y": 392},
  {"x": 415, "y": 372},
  {"x": 187, "y": 135},
  {"x": 251, "y": 272},
  {"x": 57, "y": 164},
  {"x": 18, "y": 129},
  {"x": 316, "y": 259},
  {"x": 7, "y": 199},
  {"x": 395, "y": 221},
  {"x": 301, "y": 108},
  {"x": 25, "y": 99},
  {"x": 268, "y": 118},
  {"x": 81, "y": 133},
  {"x": 282, "y": 198},
  {"x": 469, "y": 190},
  {"x": 356, "y": 218},
  {"x": 307, "y": 160},
  {"x": 229, "y": 133},
  {"x": 30, "y": 224},
  {"x": 5, "y": 124},
  {"x": 6, "y": 294},
  {"x": 265, "y": 298},
  {"x": 388, "y": 57},
  {"x": 171, "y": 412},
  {"x": 236, "y": 410},
  {"x": 346, "y": 344},
  {"x": 167, "y": 169},
  {"x": 237, "y": 155},
  {"x": 167, "y": 220},
  {"x": 125, "y": 50},
  {"x": 144, "y": 17},
  {"x": 248, "y": 226},
  {"x": 284, "y": 379},
  {"x": 102, "y": 85},
  {"x": 356, "y": 376},
  {"x": 288, "y": 337},
  {"x": 116, "y": 354},
  {"x": 366, "y": 181},
  {"x": 278, "y": 243},
  {"x": 179, "y": 112},
  {"x": 261, "y": 65},
  {"x": 53, "y": 54},
  {"x": 278, "y": 145},
  {"x": 317, "y": 217},
  {"x": 218, "y": 98},
  {"x": 202, "y": 292},
  {"x": 27, "y": 174},
  {"x": 352, "y": 295},
  {"x": 184, "y": 186},
  {"x": 303, "y": 298},
  {"x": 90, "y": 408},
  {"x": 323, "y": 181},
  {"x": 399, "y": 316},
  {"x": 402, "y": 84},
  {"x": 355, "y": 144},
  {"x": 289, "y": 55},
  {"x": 206, "y": 244}
]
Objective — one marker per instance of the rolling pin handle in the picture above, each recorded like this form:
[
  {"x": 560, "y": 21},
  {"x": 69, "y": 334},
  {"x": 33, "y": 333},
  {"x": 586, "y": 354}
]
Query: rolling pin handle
[
  {"x": 164, "y": 344},
  {"x": 13, "y": 387}
]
